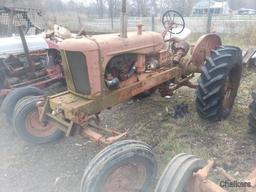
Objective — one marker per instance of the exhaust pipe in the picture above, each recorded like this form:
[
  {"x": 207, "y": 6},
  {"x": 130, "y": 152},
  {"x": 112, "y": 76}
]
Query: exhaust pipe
[{"x": 124, "y": 20}]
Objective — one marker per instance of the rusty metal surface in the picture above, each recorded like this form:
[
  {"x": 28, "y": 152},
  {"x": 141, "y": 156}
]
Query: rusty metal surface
[
  {"x": 203, "y": 48},
  {"x": 107, "y": 46},
  {"x": 127, "y": 178},
  {"x": 252, "y": 180},
  {"x": 96, "y": 137},
  {"x": 73, "y": 104},
  {"x": 231, "y": 86},
  {"x": 201, "y": 183},
  {"x": 38, "y": 129}
]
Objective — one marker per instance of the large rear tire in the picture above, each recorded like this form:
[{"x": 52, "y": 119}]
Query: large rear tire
[
  {"x": 125, "y": 166},
  {"x": 178, "y": 173},
  {"x": 13, "y": 97},
  {"x": 219, "y": 83},
  {"x": 29, "y": 128}
]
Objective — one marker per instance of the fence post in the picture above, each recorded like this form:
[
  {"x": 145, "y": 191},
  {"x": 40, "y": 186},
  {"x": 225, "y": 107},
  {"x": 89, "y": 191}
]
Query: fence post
[
  {"x": 153, "y": 23},
  {"x": 11, "y": 22},
  {"x": 209, "y": 18},
  {"x": 153, "y": 13}
]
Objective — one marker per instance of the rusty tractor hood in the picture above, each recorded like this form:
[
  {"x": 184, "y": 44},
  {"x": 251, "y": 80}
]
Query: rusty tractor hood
[
  {"x": 113, "y": 44},
  {"x": 13, "y": 45}
]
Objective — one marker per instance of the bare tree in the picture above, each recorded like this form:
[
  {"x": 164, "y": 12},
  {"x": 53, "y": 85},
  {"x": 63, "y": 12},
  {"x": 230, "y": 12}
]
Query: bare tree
[
  {"x": 111, "y": 12},
  {"x": 142, "y": 7},
  {"x": 100, "y": 7},
  {"x": 183, "y": 6}
]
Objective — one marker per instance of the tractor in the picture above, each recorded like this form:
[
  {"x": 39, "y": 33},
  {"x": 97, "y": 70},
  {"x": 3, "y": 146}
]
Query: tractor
[{"x": 102, "y": 71}]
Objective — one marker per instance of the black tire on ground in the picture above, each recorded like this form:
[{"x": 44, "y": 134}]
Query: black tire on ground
[
  {"x": 252, "y": 114},
  {"x": 219, "y": 83},
  {"x": 13, "y": 97},
  {"x": 123, "y": 166},
  {"x": 177, "y": 175},
  {"x": 27, "y": 125}
]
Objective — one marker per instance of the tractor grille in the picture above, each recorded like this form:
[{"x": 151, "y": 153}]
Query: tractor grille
[{"x": 78, "y": 77}]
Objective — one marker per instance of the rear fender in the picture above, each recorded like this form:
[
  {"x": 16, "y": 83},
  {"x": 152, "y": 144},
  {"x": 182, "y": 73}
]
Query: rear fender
[{"x": 203, "y": 47}]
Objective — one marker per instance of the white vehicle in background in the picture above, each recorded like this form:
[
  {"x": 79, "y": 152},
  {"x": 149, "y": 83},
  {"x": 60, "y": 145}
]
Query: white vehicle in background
[{"x": 244, "y": 11}]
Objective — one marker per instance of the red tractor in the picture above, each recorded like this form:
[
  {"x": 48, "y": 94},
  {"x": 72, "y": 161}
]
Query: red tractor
[{"x": 102, "y": 71}]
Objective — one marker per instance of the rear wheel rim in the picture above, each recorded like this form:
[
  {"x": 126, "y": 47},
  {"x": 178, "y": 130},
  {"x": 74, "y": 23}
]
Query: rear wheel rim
[
  {"x": 231, "y": 88},
  {"x": 127, "y": 178},
  {"x": 38, "y": 129}
]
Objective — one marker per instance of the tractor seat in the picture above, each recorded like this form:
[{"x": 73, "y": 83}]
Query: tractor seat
[{"x": 181, "y": 36}]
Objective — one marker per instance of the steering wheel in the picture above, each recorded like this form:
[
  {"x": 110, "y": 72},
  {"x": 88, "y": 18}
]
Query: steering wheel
[{"x": 173, "y": 22}]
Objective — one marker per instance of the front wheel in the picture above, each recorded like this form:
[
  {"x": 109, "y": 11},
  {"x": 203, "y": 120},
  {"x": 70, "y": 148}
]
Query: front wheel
[
  {"x": 219, "y": 83},
  {"x": 29, "y": 128}
]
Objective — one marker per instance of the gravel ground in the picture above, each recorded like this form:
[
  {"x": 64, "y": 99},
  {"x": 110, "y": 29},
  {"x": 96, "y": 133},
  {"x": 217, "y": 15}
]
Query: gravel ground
[{"x": 56, "y": 167}]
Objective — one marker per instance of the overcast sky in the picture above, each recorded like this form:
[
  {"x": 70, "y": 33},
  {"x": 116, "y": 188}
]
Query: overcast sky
[{"x": 86, "y": 2}]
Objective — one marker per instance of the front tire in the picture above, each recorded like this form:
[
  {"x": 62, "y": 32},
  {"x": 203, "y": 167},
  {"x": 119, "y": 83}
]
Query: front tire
[
  {"x": 29, "y": 128},
  {"x": 219, "y": 83}
]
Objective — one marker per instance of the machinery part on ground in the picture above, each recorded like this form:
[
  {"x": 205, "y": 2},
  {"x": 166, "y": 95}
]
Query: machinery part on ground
[
  {"x": 219, "y": 83},
  {"x": 179, "y": 111},
  {"x": 14, "y": 96},
  {"x": 29, "y": 128},
  {"x": 125, "y": 166},
  {"x": 178, "y": 173},
  {"x": 173, "y": 21},
  {"x": 252, "y": 114}
]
